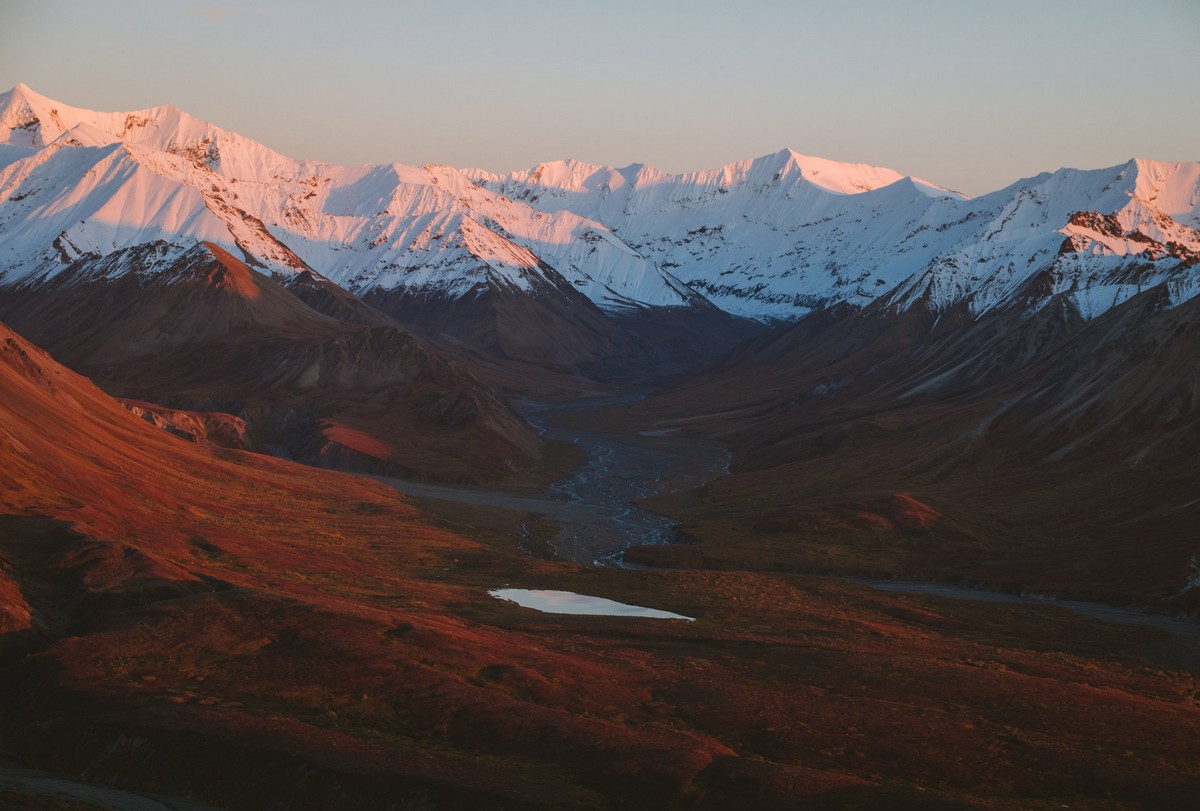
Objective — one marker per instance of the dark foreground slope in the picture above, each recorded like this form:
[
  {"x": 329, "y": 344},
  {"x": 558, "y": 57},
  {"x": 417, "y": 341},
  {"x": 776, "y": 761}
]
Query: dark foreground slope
[
  {"x": 202, "y": 331},
  {"x": 260, "y": 634},
  {"x": 1025, "y": 447}
]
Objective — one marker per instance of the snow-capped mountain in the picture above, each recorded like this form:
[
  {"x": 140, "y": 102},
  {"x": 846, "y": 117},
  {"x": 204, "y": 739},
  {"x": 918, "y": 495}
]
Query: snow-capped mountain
[
  {"x": 1099, "y": 236},
  {"x": 75, "y": 182},
  {"x": 785, "y": 233},
  {"x": 769, "y": 239}
]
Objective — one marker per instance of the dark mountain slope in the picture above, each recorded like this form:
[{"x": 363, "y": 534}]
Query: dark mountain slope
[
  {"x": 200, "y": 330},
  {"x": 551, "y": 338},
  {"x": 1026, "y": 447}
]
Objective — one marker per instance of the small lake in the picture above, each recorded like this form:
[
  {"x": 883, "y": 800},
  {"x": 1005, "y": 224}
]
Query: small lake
[{"x": 568, "y": 602}]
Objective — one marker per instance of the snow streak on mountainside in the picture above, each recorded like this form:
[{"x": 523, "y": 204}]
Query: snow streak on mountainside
[
  {"x": 74, "y": 182},
  {"x": 780, "y": 235},
  {"x": 770, "y": 238}
]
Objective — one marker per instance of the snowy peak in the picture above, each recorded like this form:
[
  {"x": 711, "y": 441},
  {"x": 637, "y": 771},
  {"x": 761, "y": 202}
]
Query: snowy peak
[
  {"x": 85, "y": 182},
  {"x": 1172, "y": 188},
  {"x": 786, "y": 166},
  {"x": 29, "y": 119},
  {"x": 38, "y": 120},
  {"x": 1086, "y": 235},
  {"x": 833, "y": 176},
  {"x": 1152, "y": 201},
  {"x": 829, "y": 175}
]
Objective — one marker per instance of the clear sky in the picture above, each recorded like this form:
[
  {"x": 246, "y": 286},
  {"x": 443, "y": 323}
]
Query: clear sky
[{"x": 970, "y": 95}]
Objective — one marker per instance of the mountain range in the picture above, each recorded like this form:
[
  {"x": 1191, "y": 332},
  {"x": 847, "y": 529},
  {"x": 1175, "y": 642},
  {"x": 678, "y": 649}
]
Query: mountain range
[
  {"x": 769, "y": 238},
  {"x": 909, "y": 384}
]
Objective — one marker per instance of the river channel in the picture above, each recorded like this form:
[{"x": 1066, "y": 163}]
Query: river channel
[{"x": 596, "y": 506}]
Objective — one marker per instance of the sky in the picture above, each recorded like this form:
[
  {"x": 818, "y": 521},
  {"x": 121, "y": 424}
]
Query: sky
[{"x": 969, "y": 95}]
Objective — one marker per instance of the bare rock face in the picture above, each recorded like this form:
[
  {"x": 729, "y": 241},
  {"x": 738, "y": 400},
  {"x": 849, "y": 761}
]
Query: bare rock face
[{"x": 202, "y": 427}]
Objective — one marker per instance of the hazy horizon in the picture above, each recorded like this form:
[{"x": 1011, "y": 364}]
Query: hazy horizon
[{"x": 965, "y": 96}]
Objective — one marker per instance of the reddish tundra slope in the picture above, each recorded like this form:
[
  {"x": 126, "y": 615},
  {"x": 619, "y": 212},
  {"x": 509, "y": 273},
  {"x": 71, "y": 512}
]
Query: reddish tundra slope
[{"x": 186, "y": 620}]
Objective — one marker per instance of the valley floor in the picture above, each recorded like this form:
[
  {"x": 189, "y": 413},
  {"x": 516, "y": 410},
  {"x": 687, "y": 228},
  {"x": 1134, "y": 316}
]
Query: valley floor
[{"x": 597, "y": 503}]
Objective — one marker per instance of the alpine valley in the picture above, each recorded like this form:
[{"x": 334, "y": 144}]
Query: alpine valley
[{"x": 270, "y": 431}]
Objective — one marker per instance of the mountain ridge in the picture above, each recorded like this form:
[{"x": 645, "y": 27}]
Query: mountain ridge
[
  {"x": 763, "y": 248},
  {"x": 769, "y": 238},
  {"x": 292, "y": 215}
]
